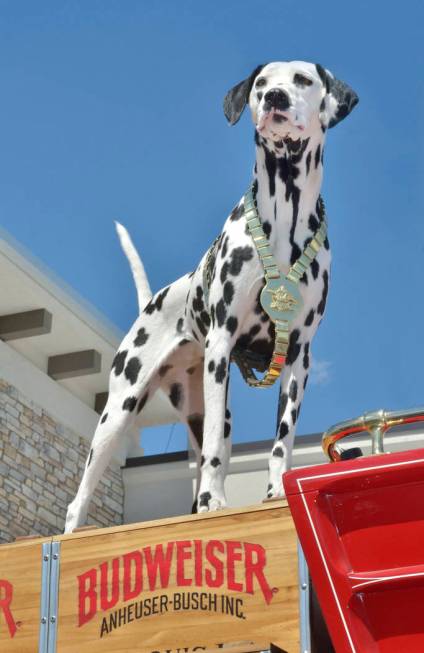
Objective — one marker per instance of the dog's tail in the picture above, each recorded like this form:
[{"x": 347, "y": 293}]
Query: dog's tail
[{"x": 144, "y": 292}]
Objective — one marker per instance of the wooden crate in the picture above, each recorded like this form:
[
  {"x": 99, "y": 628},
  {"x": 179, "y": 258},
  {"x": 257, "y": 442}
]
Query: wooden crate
[
  {"x": 193, "y": 582},
  {"x": 20, "y": 592}
]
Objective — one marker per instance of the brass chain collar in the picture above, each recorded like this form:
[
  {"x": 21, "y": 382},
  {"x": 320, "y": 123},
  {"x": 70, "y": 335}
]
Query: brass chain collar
[{"x": 280, "y": 297}]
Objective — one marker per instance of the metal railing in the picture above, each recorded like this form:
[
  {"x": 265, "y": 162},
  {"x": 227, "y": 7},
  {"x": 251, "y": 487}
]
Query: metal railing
[{"x": 376, "y": 423}]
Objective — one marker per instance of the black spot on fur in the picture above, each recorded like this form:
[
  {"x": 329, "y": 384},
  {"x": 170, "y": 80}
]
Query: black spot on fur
[
  {"x": 294, "y": 347},
  {"x": 221, "y": 312},
  {"x": 305, "y": 382},
  {"x": 228, "y": 292},
  {"x": 198, "y": 304},
  {"x": 308, "y": 161},
  {"x": 129, "y": 404},
  {"x": 231, "y": 325},
  {"x": 271, "y": 168},
  {"x": 225, "y": 247},
  {"x": 237, "y": 212},
  {"x": 119, "y": 362},
  {"x": 132, "y": 369},
  {"x": 221, "y": 371},
  {"x": 104, "y": 418},
  {"x": 313, "y": 223},
  {"x": 278, "y": 453},
  {"x": 202, "y": 461},
  {"x": 176, "y": 395},
  {"x": 90, "y": 457},
  {"x": 317, "y": 156},
  {"x": 201, "y": 326},
  {"x": 164, "y": 369},
  {"x": 306, "y": 356},
  {"x": 239, "y": 255},
  {"x": 204, "y": 499},
  {"x": 156, "y": 302},
  {"x": 211, "y": 366},
  {"x": 267, "y": 228},
  {"x": 215, "y": 462},
  {"x": 283, "y": 431},
  {"x": 227, "y": 414},
  {"x": 310, "y": 317},
  {"x": 326, "y": 243},
  {"x": 142, "y": 402},
  {"x": 141, "y": 338},
  {"x": 315, "y": 268},
  {"x": 183, "y": 342},
  {"x": 321, "y": 305},
  {"x": 205, "y": 319},
  {"x": 294, "y": 415},
  {"x": 195, "y": 423},
  {"x": 227, "y": 429},
  {"x": 180, "y": 325},
  {"x": 295, "y": 253},
  {"x": 293, "y": 390},
  {"x": 282, "y": 404},
  {"x": 224, "y": 271}
]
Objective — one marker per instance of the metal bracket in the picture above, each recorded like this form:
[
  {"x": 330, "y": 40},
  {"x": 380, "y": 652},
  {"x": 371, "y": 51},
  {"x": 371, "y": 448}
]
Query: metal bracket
[
  {"x": 50, "y": 567},
  {"x": 304, "y": 602}
]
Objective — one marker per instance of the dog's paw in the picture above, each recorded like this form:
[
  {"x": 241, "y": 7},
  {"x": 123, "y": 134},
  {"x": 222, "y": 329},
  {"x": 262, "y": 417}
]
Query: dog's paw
[
  {"x": 209, "y": 503},
  {"x": 274, "y": 491}
]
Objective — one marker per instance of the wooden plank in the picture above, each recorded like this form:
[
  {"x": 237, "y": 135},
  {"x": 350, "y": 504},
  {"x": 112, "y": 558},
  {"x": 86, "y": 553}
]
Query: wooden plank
[
  {"x": 205, "y": 581},
  {"x": 20, "y": 588},
  {"x": 25, "y": 324}
]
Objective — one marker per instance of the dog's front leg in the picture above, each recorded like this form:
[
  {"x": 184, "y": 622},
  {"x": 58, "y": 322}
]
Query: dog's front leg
[
  {"x": 215, "y": 445},
  {"x": 291, "y": 393}
]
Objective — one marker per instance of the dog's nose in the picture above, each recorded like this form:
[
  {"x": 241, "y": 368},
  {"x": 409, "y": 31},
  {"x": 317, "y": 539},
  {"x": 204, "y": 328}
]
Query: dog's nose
[{"x": 276, "y": 98}]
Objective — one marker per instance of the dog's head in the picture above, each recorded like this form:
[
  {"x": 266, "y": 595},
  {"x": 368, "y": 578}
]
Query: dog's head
[{"x": 290, "y": 100}]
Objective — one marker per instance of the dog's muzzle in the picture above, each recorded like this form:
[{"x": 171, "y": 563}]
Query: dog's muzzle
[{"x": 277, "y": 99}]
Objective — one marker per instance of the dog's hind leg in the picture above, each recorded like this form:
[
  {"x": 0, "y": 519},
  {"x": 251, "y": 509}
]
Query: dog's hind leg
[{"x": 111, "y": 427}]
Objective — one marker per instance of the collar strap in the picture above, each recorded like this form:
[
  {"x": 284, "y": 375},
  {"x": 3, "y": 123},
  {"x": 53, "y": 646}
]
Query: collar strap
[{"x": 280, "y": 297}]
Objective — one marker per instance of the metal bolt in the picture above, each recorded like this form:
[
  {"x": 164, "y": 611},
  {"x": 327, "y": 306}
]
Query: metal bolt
[
  {"x": 52, "y": 619},
  {"x": 304, "y": 586},
  {"x": 43, "y": 620},
  {"x": 46, "y": 558},
  {"x": 55, "y": 557}
]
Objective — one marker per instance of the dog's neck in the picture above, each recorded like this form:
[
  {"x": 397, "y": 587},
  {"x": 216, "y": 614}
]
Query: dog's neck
[{"x": 287, "y": 182}]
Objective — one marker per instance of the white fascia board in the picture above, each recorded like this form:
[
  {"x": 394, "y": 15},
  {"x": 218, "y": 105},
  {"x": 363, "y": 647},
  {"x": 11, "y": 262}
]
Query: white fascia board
[{"x": 64, "y": 294}]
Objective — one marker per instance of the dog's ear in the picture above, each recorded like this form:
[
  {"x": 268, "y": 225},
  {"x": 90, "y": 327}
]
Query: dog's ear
[
  {"x": 237, "y": 98},
  {"x": 339, "y": 100}
]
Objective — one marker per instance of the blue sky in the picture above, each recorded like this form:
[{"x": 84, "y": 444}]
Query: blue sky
[{"x": 113, "y": 110}]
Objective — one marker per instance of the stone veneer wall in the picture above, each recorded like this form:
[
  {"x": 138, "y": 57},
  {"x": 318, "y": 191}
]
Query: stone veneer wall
[{"x": 41, "y": 464}]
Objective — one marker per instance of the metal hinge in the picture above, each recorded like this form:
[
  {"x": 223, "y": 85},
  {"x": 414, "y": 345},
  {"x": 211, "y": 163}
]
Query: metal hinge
[{"x": 49, "y": 597}]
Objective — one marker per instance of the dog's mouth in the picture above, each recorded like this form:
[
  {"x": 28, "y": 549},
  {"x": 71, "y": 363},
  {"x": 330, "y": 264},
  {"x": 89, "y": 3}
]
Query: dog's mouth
[{"x": 278, "y": 125}]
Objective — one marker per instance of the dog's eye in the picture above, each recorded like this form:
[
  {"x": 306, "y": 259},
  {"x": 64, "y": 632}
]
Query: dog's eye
[
  {"x": 260, "y": 82},
  {"x": 301, "y": 80}
]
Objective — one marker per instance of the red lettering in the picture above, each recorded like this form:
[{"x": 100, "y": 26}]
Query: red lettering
[
  {"x": 232, "y": 558},
  {"x": 198, "y": 571},
  {"x": 183, "y": 554},
  {"x": 107, "y": 603},
  {"x": 87, "y": 592},
  {"x": 160, "y": 562},
  {"x": 216, "y": 563},
  {"x": 6, "y": 596},
  {"x": 133, "y": 582},
  {"x": 256, "y": 568}
]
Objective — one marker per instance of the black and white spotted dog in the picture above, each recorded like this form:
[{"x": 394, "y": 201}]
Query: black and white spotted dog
[{"x": 182, "y": 345}]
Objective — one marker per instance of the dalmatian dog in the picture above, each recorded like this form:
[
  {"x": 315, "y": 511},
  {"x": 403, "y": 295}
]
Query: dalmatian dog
[{"x": 182, "y": 343}]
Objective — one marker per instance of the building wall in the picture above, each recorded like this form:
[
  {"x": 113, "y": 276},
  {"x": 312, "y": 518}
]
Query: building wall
[{"x": 41, "y": 464}]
